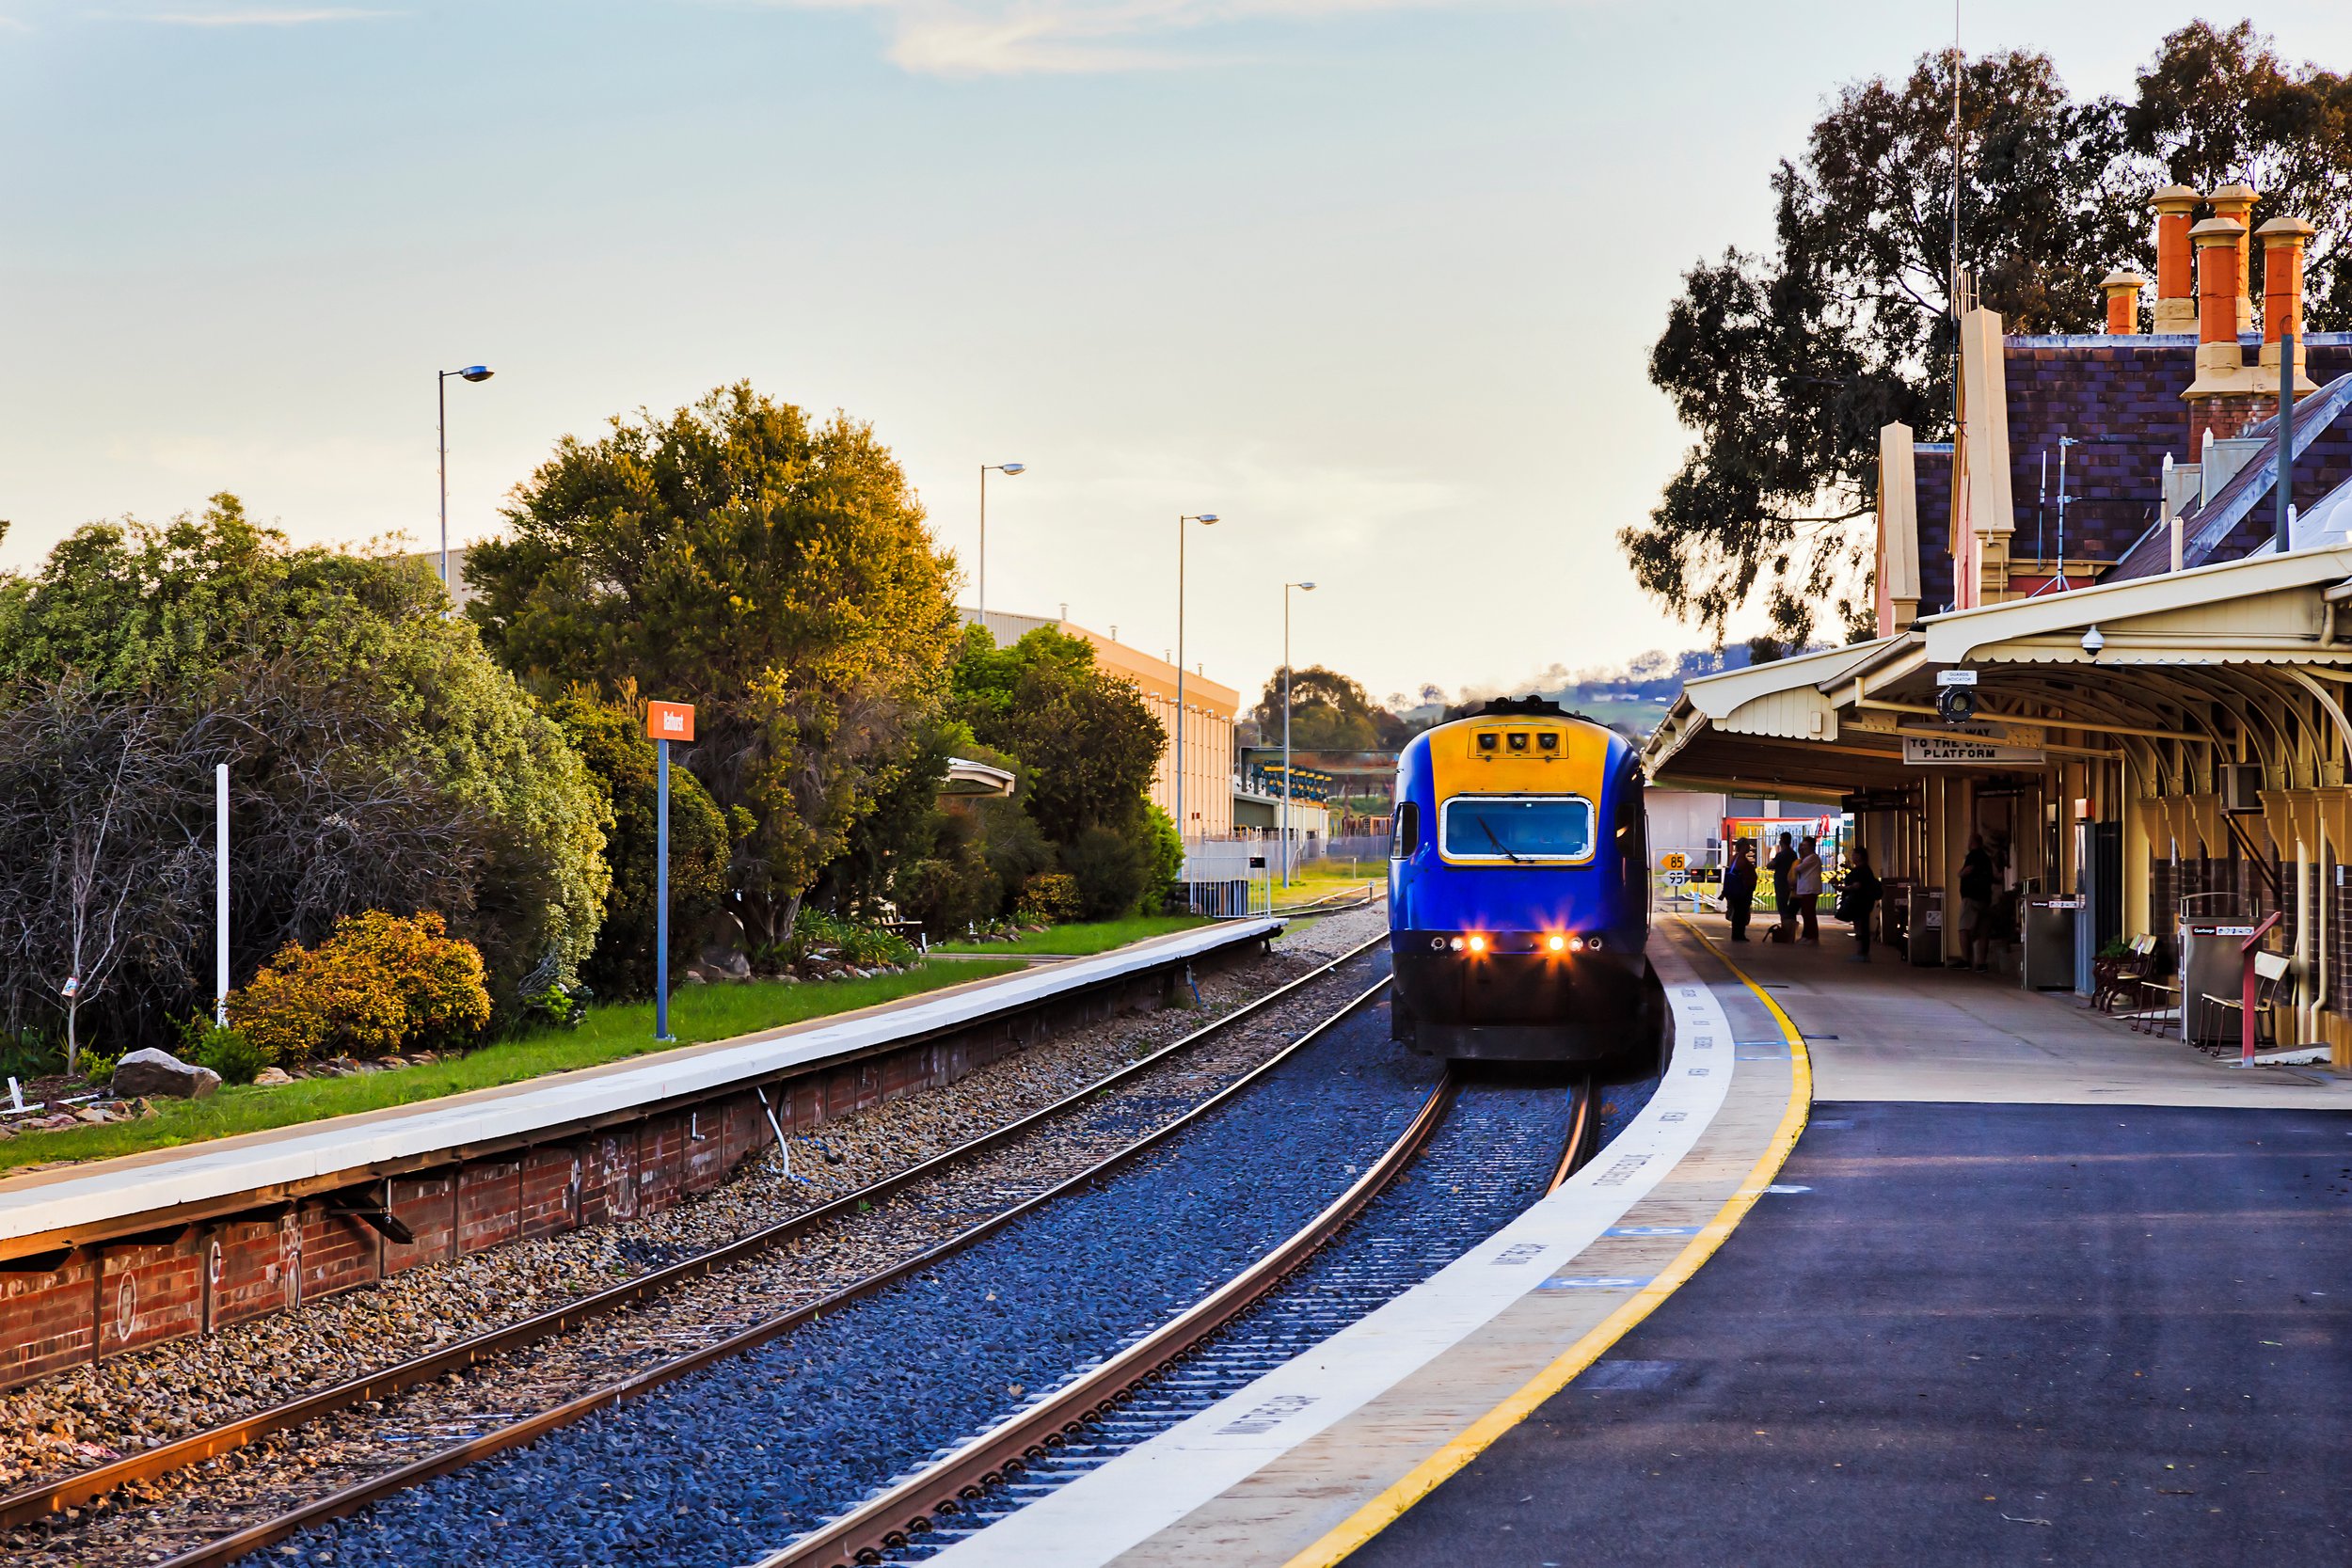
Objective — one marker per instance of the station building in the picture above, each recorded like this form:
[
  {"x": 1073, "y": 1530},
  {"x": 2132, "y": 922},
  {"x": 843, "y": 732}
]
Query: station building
[
  {"x": 1210, "y": 709},
  {"x": 2160, "y": 746}
]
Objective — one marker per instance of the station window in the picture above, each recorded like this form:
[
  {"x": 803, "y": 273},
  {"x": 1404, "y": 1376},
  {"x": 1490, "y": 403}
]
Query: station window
[{"x": 1517, "y": 827}]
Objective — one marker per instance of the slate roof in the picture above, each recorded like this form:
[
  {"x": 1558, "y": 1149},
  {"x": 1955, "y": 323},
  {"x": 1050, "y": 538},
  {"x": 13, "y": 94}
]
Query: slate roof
[
  {"x": 2120, "y": 398},
  {"x": 2235, "y": 521}
]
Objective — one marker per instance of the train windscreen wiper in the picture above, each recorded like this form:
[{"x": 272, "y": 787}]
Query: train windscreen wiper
[{"x": 1488, "y": 828}]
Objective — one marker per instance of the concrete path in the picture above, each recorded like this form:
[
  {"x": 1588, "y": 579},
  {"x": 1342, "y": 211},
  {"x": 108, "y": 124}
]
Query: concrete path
[{"x": 1889, "y": 1031}]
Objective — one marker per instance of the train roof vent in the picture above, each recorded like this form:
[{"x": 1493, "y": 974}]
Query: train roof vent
[{"x": 1527, "y": 706}]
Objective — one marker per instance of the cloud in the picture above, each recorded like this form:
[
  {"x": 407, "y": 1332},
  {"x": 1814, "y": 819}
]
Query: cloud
[
  {"x": 1004, "y": 38},
  {"x": 263, "y": 17}
]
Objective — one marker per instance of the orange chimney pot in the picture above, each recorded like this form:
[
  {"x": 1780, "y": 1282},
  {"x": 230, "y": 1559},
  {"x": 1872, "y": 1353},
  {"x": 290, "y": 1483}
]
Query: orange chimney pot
[
  {"x": 2176, "y": 286},
  {"x": 2217, "y": 241},
  {"x": 2236, "y": 201},
  {"x": 2122, "y": 287}
]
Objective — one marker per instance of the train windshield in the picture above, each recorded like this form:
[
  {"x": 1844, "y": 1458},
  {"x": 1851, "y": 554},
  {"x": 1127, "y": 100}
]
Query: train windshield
[{"x": 1517, "y": 828}]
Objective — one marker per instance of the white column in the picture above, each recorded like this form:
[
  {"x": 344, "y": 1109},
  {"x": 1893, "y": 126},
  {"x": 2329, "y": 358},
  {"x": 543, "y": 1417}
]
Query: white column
[{"x": 220, "y": 896}]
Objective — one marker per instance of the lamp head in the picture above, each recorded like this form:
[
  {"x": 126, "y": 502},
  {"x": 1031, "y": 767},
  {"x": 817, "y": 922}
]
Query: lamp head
[
  {"x": 1205, "y": 518},
  {"x": 476, "y": 373},
  {"x": 1010, "y": 468},
  {"x": 1308, "y": 586}
]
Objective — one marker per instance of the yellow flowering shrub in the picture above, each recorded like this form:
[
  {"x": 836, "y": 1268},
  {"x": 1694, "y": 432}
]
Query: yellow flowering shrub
[{"x": 379, "y": 984}]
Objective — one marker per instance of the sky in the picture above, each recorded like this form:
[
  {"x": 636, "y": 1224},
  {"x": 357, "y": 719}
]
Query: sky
[{"x": 1374, "y": 280}]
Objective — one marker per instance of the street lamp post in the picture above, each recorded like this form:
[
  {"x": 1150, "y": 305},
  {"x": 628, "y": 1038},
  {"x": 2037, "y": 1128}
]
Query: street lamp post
[
  {"x": 440, "y": 387},
  {"x": 1287, "y": 786},
  {"x": 986, "y": 470},
  {"x": 1204, "y": 518}
]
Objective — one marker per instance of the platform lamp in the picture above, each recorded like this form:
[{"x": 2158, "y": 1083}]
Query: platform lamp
[
  {"x": 1306, "y": 588},
  {"x": 471, "y": 372},
  {"x": 1204, "y": 519},
  {"x": 986, "y": 470}
]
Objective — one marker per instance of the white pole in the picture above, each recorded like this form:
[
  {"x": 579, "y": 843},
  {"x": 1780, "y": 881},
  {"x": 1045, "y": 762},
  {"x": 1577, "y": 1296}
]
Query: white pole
[{"x": 220, "y": 896}]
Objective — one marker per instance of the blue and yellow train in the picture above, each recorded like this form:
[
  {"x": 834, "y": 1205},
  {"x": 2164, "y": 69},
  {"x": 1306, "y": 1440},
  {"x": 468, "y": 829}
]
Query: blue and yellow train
[{"x": 1518, "y": 892}]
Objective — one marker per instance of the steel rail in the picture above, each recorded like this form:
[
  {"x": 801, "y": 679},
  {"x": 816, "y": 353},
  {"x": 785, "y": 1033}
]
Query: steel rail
[
  {"x": 228, "y": 1548},
  {"x": 1583, "y": 1127},
  {"x": 907, "y": 1509},
  {"x": 55, "y": 1497}
]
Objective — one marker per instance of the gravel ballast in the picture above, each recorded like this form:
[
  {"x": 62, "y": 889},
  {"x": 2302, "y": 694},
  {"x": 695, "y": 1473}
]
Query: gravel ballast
[{"x": 85, "y": 1416}]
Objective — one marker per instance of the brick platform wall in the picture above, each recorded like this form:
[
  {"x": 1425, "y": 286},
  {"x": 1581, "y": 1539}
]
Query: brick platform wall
[{"x": 113, "y": 1297}]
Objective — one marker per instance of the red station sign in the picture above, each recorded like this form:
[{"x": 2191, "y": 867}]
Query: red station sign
[{"x": 670, "y": 720}]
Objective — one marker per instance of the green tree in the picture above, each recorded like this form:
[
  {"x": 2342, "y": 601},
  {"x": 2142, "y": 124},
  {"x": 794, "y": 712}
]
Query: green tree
[
  {"x": 1088, "y": 742},
  {"x": 611, "y": 739},
  {"x": 1785, "y": 365},
  {"x": 773, "y": 571},
  {"x": 1329, "y": 712},
  {"x": 334, "y": 665}
]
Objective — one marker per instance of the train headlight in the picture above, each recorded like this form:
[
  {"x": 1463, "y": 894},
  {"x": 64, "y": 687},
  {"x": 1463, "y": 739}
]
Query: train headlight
[
  {"x": 1478, "y": 945},
  {"x": 1593, "y": 942},
  {"x": 1558, "y": 944},
  {"x": 1456, "y": 945},
  {"x": 1576, "y": 944},
  {"x": 1437, "y": 944}
]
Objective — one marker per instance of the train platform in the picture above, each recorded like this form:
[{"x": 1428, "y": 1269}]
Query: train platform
[
  {"x": 2028, "y": 1288},
  {"x": 1889, "y": 1030},
  {"x": 170, "y": 1185}
]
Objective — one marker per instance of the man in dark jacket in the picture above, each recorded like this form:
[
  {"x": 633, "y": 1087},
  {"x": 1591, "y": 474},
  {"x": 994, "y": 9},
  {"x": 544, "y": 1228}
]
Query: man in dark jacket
[
  {"x": 1859, "y": 896},
  {"x": 1739, "y": 890},
  {"x": 1784, "y": 868}
]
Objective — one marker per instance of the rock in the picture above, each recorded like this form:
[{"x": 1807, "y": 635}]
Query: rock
[
  {"x": 272, "y": 1075},
  {"x": 95, "y": 1116},
  {"x": 154, "y": 1072},
  {"x": 694, "y": 978},
  {"x": 6, "y": 1131}
]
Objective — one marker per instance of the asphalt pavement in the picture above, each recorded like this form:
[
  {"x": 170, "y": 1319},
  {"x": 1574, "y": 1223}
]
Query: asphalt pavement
[{"x": 1979, "y": 1334}]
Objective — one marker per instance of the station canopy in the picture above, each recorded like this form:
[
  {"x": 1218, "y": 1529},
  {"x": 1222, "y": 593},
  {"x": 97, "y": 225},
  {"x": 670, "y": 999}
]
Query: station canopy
[{"x": 2253, "y": 652}]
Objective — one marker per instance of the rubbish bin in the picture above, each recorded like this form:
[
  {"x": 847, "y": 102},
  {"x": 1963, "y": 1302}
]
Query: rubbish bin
[{"x": 1927, "y": 927}]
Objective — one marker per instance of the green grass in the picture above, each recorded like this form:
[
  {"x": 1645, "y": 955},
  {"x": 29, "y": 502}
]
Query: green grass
[
  {"x": 1321, "y": 879},
  {"x": 1083, "y": 938},
  {"x": 611, "y": 1033}
]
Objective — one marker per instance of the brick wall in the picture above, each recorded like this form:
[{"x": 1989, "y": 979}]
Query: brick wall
[{"x": 117, "y": 1296}]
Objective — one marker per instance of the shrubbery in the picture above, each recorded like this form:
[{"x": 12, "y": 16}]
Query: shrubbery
[
  {"x": 864, "y": 945},
  {"x": 1052, "y": 898},
  {"x": 380, "y": 983},
  {"x": 1108, "y": 869},
  {"x": 230, "y": 1053}
]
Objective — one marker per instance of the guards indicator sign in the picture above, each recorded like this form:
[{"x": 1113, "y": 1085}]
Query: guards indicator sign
[{"x": 1674, "y": 860}]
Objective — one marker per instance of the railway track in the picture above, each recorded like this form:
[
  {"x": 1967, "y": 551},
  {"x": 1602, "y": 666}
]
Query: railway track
[
  {"x": 1292, "y": 1297},
  {"x": 461, "y": 1432}
]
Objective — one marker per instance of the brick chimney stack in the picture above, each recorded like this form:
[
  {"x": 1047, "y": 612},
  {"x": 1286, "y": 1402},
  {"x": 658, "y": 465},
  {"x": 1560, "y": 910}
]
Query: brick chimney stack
[
  {"x": 2122, "y": 286},
  {"x": 2236, "y": 201},
  {"x": 2226, "y": 397},
  {"x": 2176, "y": 288},
  {"x": 2282, "y": 241}
]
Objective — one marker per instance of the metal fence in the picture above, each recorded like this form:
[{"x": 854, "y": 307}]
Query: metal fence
[{"x": 1229, "y": 900}]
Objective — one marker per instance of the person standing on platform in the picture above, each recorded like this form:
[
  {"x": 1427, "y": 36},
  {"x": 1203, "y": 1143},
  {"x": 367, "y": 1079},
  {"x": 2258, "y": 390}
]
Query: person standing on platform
[
  {"x": 1739, "y": 890},
  {"x": 1805, "y": 879},
  {"x": 1858, "y": 897},
  {"x": 1975, "y": 905},
  {"x": 1784, "y": 868}
]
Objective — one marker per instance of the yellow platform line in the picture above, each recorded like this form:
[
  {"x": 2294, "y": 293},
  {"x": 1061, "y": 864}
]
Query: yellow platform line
[{"x": 1481, "y": 1434}]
